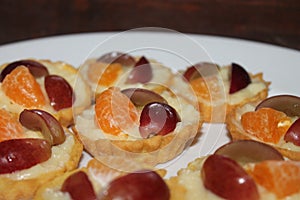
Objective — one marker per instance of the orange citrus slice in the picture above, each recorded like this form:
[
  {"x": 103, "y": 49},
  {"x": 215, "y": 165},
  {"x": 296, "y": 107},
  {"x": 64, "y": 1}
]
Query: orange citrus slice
[
  {"x": 207, "y": 88},
  {"x": 114, "y": 111},
  {"x": 266, "y": 124},
  {"x": 21, "y": 87},
  {"x": 279, "y": 177},
  {"x": 104, "y": 74},
  {"x": 10, "y": 127}
]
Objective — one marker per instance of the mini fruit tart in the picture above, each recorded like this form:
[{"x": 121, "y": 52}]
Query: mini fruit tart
[
  {"x": 220, "y": 89},
  {"x": 141, "y": 124},
  {"x": 274, "y": 121},
  {"x": 45, "y": 85},
  {"x": 97, "y": 181},
  {"x": 34, "y": 149},
  {"x": 124, "y": 71},
  {"x": 243, "y": 169}
]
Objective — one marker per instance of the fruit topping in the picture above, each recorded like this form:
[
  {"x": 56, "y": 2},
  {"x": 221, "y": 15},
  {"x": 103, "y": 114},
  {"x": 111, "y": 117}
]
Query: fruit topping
[
  {"x": 143, "y": 185},
  {"x": 19, "y": 154},
  {"x": 293, "y": 133},
  {"x": 266, "y": 124},
  {"x": 117, "y": 57},
  {"x": 141, "y": 97},
  {"x": 239, "y": 78},
  {"x": 59, "y": 91},
  {"x": 202, "y": 69},
  {"x": 158, "y": 119},
  {"x": 39, "y": 120},
  {"x": 141, "y": 73},
  {"x": 21, "y": 87},
  {"x": 279, "y": 177},
  {"x": 114, "y": 111},
  {"x": 246, "y": 151},
  {"x": 36, "y": 69},
  {"x": 288, "y": 104},
  {"x": 227, "y": 179},
  {"x": 10, "y": 127},
  {"x": 79, "y": 187},
  {"x": 110, "y": 74}
]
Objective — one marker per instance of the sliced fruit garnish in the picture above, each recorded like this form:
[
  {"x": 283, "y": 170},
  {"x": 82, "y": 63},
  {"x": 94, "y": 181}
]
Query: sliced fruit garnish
[
  {"x": 117, "y": 57},
  {"x": 36, "y": 69},
  {"x": 10, "y": 127},
  {"x": 200, "y": 70},
  {"x": 158, "y": 119},
  {"x": 239, "y": 78},
  {"x": 288, "y": 104},
  {"x": 293, "y": 133},
  {"x": 146, "y": 185},
  {"x": 39, "y": 120},
  {"x": 79, "y": 187},
  {"x": 59, "y": 92},
  {"x": 110, "y": 74},
  {"x": 249, "y": 151},
  {"x": 115, "y": 112},
  {"x": 208, "y": 88},
  {"x": 141, "y": 73},
  {"x": 141, "y": 97},
  {"x": 279, "y": 177},
  {"x": 227, "y": 179},
  {"x": 266, "y": 124},
  {"x": 21, "y": 87},
  {"x": 18, "y": 154}
]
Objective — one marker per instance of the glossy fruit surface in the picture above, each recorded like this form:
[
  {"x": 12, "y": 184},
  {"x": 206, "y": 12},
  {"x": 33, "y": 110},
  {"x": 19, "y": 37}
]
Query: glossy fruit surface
[
  {"x": 293, "y": 133},
  {"x": 266, "y": 124},
  {"x": 39, "y": 120},
  {"x": 21, "y": 87},
  {"x": 114, "y": 111},
  {"x": 19, "y": 154},
  {"x": 288, "y": 104},
  {"x": 117, "y": 57},
  {"x": 141, "y": 73},
  {"x": 141, "y": 97},
  {"x": 199, "y": 70},
  {"x": 10, "y": 127},
  {"x": 59, "y": 92},
  {"x": 279, "y": 177},
  {"x": 249, "y": 151},
  {"x": 158, "y": 119},
  {"x": 227, "y": 179},
  {"x": 110, "y": 74},
  {"x": 147, "y": 185},
  {"x": 36, "y": 69},
  {"x": 79, "y": 187},
  {"x": 239, "y": 78}
]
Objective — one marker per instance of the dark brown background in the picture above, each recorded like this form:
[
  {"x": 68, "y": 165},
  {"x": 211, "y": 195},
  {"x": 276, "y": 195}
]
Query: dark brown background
[{"x": 271, "y": 21}]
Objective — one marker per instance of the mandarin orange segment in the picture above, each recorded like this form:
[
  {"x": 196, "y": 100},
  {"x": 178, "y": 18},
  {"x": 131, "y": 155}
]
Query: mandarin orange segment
[
  {"x": 104, "y": 74},
  {"x": 266, "y": 124},
  {"x": 208, "y": 88},
  {"x": 279, "y": 177},
  {"x": 21, "y": 87},
  {"x": 10, "y": 127},
  {"x": 115, "y": 112}
]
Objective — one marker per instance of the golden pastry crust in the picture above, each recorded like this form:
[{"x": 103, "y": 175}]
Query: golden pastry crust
[
  {"x": 237, "y": 132},
  {"x": 24, "y": 183},
  {"x": 70, "y": 74},
  {"x": 221, "y": 102}
]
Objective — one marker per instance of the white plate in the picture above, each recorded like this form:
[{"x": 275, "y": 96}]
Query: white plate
[{"x": 279, "y": 65}]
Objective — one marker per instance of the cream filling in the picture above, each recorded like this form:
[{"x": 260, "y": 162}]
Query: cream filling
[
  {"x": 191, "y": 179},
  {"x": 60, "y": 155}
]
